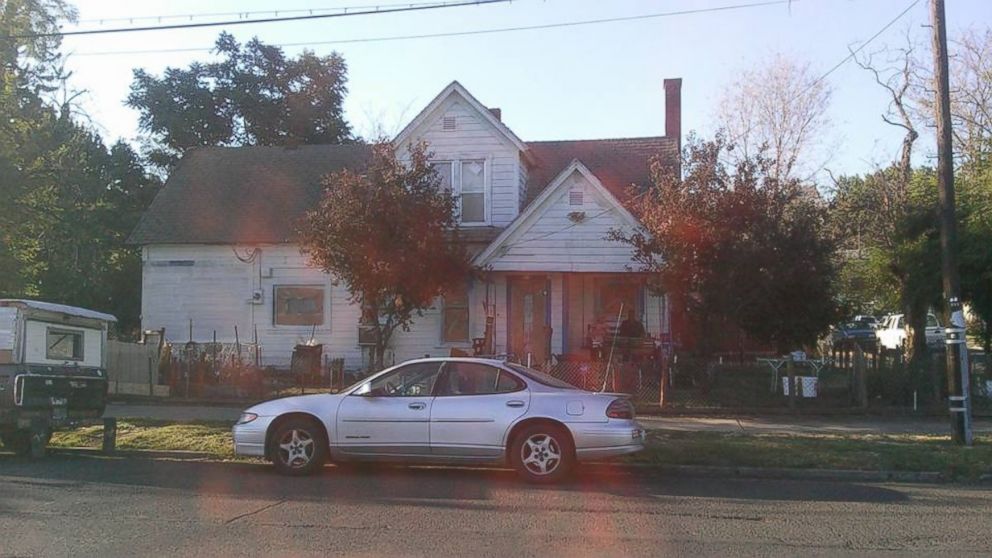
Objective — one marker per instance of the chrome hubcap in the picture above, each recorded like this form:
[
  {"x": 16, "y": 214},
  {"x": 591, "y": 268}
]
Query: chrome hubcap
[
  {"x": 541, "y": 454},
  {"x": 296, "y": 448}
]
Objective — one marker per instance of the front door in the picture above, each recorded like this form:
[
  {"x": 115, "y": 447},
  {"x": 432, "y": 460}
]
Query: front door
[
  {"x": 530, "y": 332},
  {"x": 389, "y": 415},
  {"x": 475, "y": 406}
]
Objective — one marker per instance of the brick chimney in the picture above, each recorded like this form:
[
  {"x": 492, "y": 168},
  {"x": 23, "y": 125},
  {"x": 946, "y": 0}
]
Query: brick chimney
[
  {"x": 673, "y": 109},
  {"x": 497, "y": 113}
]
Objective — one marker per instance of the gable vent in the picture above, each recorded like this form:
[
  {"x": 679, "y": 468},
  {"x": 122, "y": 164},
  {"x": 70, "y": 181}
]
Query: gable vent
[
  {"x": 575, "y": 197},
  {"x": 448, "y": 123}
]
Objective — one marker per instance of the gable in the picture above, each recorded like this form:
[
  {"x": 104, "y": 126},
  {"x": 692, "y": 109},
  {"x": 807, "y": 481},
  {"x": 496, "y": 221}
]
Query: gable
[
  {"x": 565, "y": 229},
  {"x": 457, "y": 103}
]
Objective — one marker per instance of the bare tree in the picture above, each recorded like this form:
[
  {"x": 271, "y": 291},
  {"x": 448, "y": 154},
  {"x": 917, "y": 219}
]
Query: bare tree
[
  {"x": 971, "y": 95},
  {"x": 778, "y": 109},
  {"x": 896, "y": 71}
]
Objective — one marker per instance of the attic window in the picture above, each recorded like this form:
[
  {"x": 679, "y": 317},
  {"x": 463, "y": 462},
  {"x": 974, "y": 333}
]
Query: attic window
[
  {"x": 448, "y": 123},
  {"x": 575, "y": 197}
]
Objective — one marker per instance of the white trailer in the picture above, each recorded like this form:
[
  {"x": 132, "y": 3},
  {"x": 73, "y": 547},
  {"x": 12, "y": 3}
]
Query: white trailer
[{"x": 53, "y": 369}]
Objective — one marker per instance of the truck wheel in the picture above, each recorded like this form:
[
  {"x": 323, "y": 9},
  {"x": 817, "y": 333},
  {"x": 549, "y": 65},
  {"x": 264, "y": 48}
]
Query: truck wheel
[{"x": 26, "y": 443}]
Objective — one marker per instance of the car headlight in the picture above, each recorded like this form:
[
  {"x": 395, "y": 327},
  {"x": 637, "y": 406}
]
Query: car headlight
[{"x": 245, "y": 418}]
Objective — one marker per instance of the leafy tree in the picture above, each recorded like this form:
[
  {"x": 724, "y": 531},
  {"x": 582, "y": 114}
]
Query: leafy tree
[
  {"x": 67, "y": 203},
  {"x": 389, "y": 234},
  {"x": 255, "y": 95},
  {"x": 738, "y": 246}
]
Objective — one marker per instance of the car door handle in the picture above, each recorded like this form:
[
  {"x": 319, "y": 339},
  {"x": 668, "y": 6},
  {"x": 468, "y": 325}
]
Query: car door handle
[
  {"x": 417, "y": 406},
  {"x": 515, "y": 403}
]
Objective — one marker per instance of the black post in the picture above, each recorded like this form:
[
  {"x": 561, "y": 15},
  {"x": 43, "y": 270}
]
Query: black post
[
  {"x": 957, "y": 346},
  {"x": 109, "y": 434}
]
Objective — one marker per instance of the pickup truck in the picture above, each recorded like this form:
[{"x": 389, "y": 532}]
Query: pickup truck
[
  {"x": 892, "y": 333},
  {"x": 52, "y": 370}
]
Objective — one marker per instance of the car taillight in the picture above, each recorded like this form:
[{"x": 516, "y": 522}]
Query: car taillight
[{"x": 620, "y": 409}]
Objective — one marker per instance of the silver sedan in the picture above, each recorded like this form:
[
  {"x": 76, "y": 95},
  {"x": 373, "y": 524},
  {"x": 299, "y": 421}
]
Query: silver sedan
[{"x": 445, "y": 410}]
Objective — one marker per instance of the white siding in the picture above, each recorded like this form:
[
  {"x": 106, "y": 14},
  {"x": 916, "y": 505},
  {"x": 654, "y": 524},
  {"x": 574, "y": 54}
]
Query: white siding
[
  {"x": 215, "y": 293},
  {"x": 475, "y": 138},
  {"x": 8, "y": 322},
  {"x": 551, "y": 241},
  {"x": 35, "y": 344}
]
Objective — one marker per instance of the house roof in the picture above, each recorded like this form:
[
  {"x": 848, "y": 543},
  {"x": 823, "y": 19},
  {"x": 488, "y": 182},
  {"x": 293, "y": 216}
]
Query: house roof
[
  {"x": 227, "y": 195},
  {"x": 617, "y": 163},
  {"x": 248, "y": 195},
  {"x": 57, "y": 309}
]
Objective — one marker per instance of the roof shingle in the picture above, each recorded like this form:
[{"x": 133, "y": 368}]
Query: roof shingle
[{"x": 247, "y": 195}]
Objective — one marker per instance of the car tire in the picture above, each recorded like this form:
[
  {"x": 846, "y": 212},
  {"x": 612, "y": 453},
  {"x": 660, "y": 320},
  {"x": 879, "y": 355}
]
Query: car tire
[
  {"x": 542, "y": 453},
  {"x": 298, "y": 447},
  {"x": 25, "y": 443}
]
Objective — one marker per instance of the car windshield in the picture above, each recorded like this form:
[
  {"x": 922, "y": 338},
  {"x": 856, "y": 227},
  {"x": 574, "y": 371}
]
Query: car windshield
[{"x": 541, "y": 377}]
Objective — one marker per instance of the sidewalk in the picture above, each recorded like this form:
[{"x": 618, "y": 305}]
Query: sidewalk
[{"x": 748, "y": 425}]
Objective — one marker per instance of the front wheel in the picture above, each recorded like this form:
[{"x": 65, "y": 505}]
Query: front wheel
[
  {"x": 543, "y": 454},
  {"x": 27, "y": 443},
  {"x": 298, "y": 447}
]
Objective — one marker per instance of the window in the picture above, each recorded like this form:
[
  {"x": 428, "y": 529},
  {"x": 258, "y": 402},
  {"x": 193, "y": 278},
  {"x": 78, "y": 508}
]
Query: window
[
  {"x": 454, "y": 317},
  {"x": 63, "y": 344},
  {"x": 470, "y": 378},
  {"x": 473, "y": 191},
  {"x": 466, "y": 180},
  {"x": 298, "y": 305},
  {"x": 412, "y": 380}
]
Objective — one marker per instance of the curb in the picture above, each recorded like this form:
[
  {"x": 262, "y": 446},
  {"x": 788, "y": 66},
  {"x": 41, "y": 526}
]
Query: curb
[
  {"x": 137, "y": 453},
  {"x": 848, "y": 475}
]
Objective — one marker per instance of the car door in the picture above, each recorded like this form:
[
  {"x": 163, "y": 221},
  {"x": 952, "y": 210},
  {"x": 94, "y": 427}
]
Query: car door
[
  {"x": 475, "y": 405},
  {"x": 389, "y": 415}
]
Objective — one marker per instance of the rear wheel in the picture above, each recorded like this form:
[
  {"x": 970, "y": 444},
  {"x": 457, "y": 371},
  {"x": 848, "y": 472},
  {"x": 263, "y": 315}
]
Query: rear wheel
[
  {"x": 543, "y": 453},
  {"x": 298, "y": 447},
  {"x": 27, "y": 443}
]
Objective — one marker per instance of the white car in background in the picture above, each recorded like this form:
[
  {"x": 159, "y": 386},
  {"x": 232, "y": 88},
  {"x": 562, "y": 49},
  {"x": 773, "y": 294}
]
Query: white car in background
[
  {"x": 445, "y": 410},
  {"x": 892, "y": 333}
]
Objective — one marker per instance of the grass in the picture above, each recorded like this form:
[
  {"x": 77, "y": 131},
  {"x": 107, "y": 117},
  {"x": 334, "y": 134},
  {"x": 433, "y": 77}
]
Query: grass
[
  {"x": 210, "y": 438},
  {"x": 856, "y": 452},
  {"x": 899, "y": 452}
]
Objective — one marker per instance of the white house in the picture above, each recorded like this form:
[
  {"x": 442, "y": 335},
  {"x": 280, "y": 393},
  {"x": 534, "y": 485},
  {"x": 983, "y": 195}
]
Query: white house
[{"x": 218, "y": 250}]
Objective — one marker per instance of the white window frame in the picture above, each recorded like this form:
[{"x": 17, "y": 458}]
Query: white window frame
[{"x": 456, "y": 186}]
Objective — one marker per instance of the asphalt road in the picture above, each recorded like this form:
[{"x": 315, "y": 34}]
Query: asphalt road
[{"x": 73, "y": 505}]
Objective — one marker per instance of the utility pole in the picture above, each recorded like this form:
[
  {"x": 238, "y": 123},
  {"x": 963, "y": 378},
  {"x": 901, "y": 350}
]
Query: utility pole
[{"x": 958, "y": 383}]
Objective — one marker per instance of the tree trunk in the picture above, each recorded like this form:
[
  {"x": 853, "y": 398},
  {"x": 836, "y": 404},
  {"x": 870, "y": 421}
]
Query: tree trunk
[{"x": 916, "y": 334}]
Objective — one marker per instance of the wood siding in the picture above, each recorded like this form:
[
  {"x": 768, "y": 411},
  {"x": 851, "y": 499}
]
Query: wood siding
[
  {"x": 210, "y": 286},
  {"x": 475, "y": 138},
  {"x": 552, "y": 241}
]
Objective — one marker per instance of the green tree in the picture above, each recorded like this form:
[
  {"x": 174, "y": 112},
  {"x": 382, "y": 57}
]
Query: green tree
[
  {"x": 389, "y": 233},
  {"x": 255, "y": 95},
  {"x": 738, "y": 246}
]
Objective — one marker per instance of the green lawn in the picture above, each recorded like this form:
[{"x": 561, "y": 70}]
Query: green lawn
[
  {"x": 210, "y": 438},
  {"x": 858, "y": 452}
]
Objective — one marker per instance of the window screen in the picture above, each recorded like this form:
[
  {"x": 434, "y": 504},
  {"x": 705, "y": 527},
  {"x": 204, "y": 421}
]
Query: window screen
[
  {"x": 298, "y": 305},
  {"x": 62, "y": 344}
]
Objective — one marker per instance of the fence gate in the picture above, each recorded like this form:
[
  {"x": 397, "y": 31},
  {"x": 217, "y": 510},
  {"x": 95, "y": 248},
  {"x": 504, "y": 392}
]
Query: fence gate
[{"x": 132, "y": 369}]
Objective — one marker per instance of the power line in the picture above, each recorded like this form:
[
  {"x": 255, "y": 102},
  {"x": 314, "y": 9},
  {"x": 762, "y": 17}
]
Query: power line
[
  {"x": 860, "y": 48},
  {"x": 410, "y": 8},
  {"x": 246, "y": 14},
  {"x": 466, "y": 33}
]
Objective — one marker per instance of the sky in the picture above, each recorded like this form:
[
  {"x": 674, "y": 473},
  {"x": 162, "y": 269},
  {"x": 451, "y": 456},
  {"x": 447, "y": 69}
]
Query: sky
[{"x": 579, "y": 82}]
